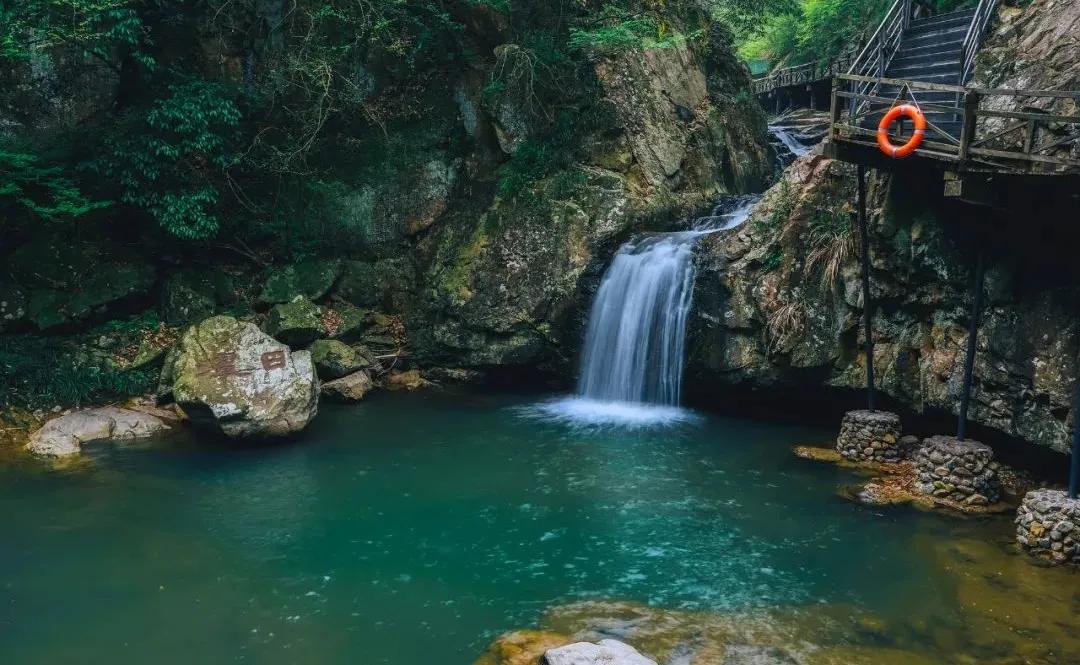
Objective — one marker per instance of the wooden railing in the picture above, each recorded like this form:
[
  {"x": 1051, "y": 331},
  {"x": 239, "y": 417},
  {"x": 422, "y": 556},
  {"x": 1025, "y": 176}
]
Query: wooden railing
[
  {"x": 991, "y": 139},
  {"x": 983, "y": 13},
  {"x": 802, "y": 74}
]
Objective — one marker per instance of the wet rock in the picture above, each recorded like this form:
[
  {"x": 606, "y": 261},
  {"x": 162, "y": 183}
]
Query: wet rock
[
  {"x": 65, "y": 436},
  {"x": 297, "y": 323},
  {"x": 409, "y": 380},
  {"x": 351, "y": 388},
  {"x": 605, "y": 652},
  {"x": 231, "y": 376},
  {"x": 1048, "y": 525},
  {"x": 521, "y": 647},
  {"x": 752, "y": 654},
  {"x": 383, "y": 285},
  {"x": 334, "y": 359},
  {"x": 310, "y": 279}
]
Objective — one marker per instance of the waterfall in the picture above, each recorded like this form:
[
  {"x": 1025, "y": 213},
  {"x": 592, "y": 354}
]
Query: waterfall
[
  {"x": 635, "y": 342},
  {"x": 637, "y": 326}
]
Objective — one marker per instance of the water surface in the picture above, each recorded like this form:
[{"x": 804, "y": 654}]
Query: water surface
[{"x": 412, "y": 529}]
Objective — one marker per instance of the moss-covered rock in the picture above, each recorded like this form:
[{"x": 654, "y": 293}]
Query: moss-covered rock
[
  {"x": 351, "y": 388},
  {"x": 297, "y": 322},
  {"x": 334, "y": 359},
  {"x": 384, "y": 285},
  {"x": 12, "y": 306},
  {"x": 229, "y": 375},
  {"x": 191, "y": 295},
  {"x": 310, "y": 279},
  {"x": 110, "y": 283}
]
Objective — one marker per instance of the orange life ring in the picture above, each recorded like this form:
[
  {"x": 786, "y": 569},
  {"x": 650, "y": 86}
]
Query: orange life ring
[{"x": 883, "y": 131}]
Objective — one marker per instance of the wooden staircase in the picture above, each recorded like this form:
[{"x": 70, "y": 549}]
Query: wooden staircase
[{"x": 931, "y": 51}]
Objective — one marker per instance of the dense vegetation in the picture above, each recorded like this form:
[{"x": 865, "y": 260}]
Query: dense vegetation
[
  {"x": 143, "y": 137},
  {"x": 802, "y": 31}
]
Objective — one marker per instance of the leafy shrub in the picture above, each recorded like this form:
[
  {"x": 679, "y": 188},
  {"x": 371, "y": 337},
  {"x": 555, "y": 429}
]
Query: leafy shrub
[
  {"x": 40, "y": 191},
  {"x": 170, "y": 162}
]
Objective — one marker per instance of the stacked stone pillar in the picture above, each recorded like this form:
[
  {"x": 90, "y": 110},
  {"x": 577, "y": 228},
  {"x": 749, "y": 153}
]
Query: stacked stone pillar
[
  {"x": 1048, "y": 525},
  {"x": 870, "y": 436},
  {"x": 961, "y": 471}
]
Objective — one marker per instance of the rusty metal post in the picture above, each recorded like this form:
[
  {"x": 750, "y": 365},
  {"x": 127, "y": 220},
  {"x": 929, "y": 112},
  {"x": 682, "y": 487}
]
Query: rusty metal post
[
  {"x": 972, "y": 341},
  {"x": 864, "y": 241}
]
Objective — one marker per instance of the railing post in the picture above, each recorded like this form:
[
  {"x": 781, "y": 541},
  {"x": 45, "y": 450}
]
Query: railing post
[
  {"x": 906, "y": 13},
  {"x": 834, "y": 108},
  {"x": 967, "y": 130},
  {"x": 973, "y": 335}
]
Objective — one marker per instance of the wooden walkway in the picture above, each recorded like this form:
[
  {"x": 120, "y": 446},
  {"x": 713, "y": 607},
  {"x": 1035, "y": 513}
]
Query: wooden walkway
[{"x": 1030, "y": 142}]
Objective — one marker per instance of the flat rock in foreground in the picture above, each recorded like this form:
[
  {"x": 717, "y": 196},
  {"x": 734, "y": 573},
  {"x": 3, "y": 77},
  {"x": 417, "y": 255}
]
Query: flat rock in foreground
[
  {"x": 64, "y": 436},
  {"x": 230, "y": 375},
  {"x": 605, "y": 652}
]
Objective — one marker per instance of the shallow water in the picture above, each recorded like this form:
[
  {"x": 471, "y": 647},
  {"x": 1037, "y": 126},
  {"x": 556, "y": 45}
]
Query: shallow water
[{"x": 412, "y": 529}]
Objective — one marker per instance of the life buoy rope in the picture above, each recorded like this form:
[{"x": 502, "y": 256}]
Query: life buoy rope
[{"x": 916, "y": 139}]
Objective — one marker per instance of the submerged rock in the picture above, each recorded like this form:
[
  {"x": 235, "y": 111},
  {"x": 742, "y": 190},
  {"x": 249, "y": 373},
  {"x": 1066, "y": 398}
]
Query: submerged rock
[
  {"x": 522, "y": 647},
  {"x": 351, "y": 388},
  {"x": 605, "y": 652},
  {"x": 64, "y": 436},
  {"x": 297, "y": 322},
  {"x": 230, "y": 375}
]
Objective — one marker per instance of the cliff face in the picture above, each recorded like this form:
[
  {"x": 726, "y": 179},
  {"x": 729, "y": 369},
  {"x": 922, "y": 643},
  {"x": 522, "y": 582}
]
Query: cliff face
[{"x": 779, "y": 302}]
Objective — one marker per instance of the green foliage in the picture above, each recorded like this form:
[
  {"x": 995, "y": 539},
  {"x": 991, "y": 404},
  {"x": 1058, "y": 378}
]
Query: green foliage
[
  {"x": 42, "y": 371},
  {"x": 42, "y": 192},
  {"x": 615, "y": 29},
  {"x": 171, "y": 161},
  {"x": 94, "y": 26}
]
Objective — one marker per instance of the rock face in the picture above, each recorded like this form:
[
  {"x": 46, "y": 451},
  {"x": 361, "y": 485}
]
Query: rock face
[
  {"x": 605, "y": 652},
  {"x": 960, "y": 471},
  {"x": 311, "y": 279},
  {"x": 230, "y": 375},
  {"x": 65, "y": 436},
  {"x": 334, "y": 359},
  {"x": 1048, "y": 525},
  {"x": 870, "y": 436},
  {"x": 778, "y": 304}
]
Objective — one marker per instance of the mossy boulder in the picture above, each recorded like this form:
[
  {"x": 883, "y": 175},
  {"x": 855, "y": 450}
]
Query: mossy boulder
[
  {"x": 191, "y": 295},
  {"x": 49, "y": 308},
  {"x": 351, "y": 388},
  {"x": 297, "y": 323},
  {"x": 229, "y": 375},
  {"x": 334, "y": 359},
  {"x": 12, "y": 305},
  {"x": 377, "y": 284},
  {"x": 310, "y": 279}
]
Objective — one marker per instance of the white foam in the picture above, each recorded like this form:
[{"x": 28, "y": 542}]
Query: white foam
[{"x": 593, "y": 412}]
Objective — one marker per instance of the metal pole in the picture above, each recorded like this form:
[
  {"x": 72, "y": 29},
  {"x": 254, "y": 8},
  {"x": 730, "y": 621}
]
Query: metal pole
[
  {"x": 973, "y": 333},
  {"x": 1074, "y": 465},
  {"x": 864, "y": 241}
]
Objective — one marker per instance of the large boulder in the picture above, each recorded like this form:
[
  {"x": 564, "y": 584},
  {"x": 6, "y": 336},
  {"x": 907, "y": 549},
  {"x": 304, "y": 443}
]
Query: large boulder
[
  {"x": 311, "y": 279},
  {"x": 604, "y": 652},
  {"x": 297, "y": 323},
  {"x": 230, "y": 375},
  {"x": 64, "y": 436}
]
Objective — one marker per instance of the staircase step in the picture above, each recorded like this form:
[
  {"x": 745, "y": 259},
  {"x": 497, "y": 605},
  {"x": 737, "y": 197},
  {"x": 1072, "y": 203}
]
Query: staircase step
[
  {"x": 912, "y": 70},
  {"x": 962, "y": 14},
  {"x": 902, "y": 59},
  {"x": 945, "y": 38},
  {"x": 951, "y": 19}
]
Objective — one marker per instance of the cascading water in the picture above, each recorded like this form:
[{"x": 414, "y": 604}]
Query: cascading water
[{"x": 632, "y": 361}]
